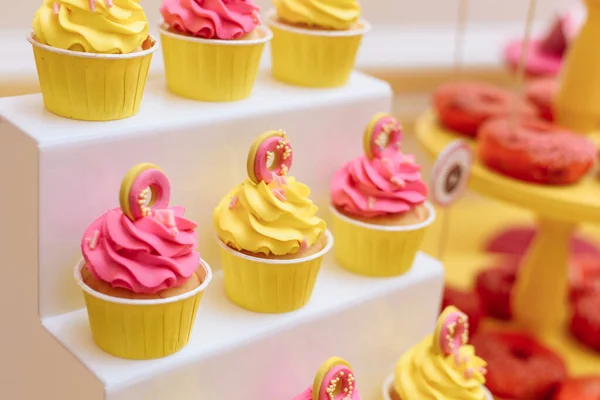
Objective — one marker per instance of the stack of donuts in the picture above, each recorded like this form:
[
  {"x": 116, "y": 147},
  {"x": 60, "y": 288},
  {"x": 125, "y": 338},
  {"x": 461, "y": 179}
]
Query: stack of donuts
[{"x": 516, "y": 135}]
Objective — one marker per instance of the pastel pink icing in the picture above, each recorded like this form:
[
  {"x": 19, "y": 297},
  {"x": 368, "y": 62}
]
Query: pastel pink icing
[
  {"x": 389, "y": 185},
  {"x": 144, "y": 256},
  {"x": 211, "y": 19}
]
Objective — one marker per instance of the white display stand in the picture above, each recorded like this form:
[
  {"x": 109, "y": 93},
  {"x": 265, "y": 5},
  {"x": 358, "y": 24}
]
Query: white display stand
[{"x": 58, "y": 175}]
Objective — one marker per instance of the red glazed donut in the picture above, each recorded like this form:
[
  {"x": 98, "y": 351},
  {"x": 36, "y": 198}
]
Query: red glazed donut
[
  {"x": 582, "y": 388},
  {"x": 585, "y": 320},
  {"x": 494, "y": 287},
  {"x": 535, "y": 151},
  {"x": 541, "y": 93},
  {"x": 464, "y": 106},
  {"x": 519, "y": 367}
]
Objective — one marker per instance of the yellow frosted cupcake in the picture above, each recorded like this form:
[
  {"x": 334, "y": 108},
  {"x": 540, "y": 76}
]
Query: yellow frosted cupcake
[
  {"x": 442, "y": 366},
  {"x": 212, "y": 49},
  {"x": 315, "y": 41},
  {"x": 92, "y": 57},
  {"x": 272, "y": 242},
  {"x": 379, "y": 207}
]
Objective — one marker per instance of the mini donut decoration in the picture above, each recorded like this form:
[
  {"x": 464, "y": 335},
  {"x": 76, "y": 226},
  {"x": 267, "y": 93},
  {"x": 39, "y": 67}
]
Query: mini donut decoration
[
  {"x": 145, "y": 188},
  {"x": 270, "y": 156},
  {"x": 335, "y": 381},
  {"x": 383, "y": 132},
  {"x": 452, "y": 331}
]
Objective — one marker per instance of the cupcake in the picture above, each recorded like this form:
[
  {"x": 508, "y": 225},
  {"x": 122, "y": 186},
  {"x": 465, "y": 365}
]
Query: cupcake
[
  {"x": 212, "y": 48},
  {"x": 272, "y": 242},
  {"x": 92, "y": 57},
  {"x": 315, "y": 41},
  {"x": 442, "y": 366},
  {"x": 334, "y": 381},
  {"x": 379, "y": 207},
  {"x": 141, "y": 276}
]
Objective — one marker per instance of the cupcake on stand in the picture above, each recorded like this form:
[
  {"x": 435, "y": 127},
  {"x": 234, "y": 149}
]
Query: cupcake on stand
[{"x": 442, "y": 366}]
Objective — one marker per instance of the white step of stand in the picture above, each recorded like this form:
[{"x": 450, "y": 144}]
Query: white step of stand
[
  {"x": 58, "y": 175},
  {"x": 240, "y": 355}
]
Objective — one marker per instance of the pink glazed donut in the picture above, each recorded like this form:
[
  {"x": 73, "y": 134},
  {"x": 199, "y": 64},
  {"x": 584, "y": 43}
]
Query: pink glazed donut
[
  {"x": 334, "y": 381},
  {"x": 270, "y": 155},
  {"x": 452, "y": 332},
  {"x": 144, "y": 188},
  {"x": 382, "y": 133}
]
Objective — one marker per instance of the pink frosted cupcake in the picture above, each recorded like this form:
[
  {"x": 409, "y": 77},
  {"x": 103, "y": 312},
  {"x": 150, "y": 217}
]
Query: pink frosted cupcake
[
  {"x": 141, "y": 275},
  {"x": 212, "y": 48},
  {"x": 379, "y": 206}
]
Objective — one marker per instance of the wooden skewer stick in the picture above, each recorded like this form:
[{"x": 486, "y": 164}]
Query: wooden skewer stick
[
  {"x": 461, "y": 28},
  {"x": 522, "y": 61}
]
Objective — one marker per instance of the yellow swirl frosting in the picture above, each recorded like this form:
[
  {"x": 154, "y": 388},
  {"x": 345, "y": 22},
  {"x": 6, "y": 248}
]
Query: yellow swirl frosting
[
  {"x": 326, "y": 14},
  {"x": 101, "y": 26},
  {"x": 423, "y": 374},
  {"x": 252, "y": 218}
]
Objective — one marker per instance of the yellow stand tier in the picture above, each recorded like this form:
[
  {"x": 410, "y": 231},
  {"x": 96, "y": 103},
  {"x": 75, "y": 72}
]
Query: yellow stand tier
[
  {"x": 540, "y": 294},
  {"x": 578, "y": 101}
]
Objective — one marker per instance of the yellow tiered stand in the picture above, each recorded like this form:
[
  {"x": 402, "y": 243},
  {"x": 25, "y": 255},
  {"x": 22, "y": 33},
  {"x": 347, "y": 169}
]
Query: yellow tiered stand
[{"x": 540, "y": 296}]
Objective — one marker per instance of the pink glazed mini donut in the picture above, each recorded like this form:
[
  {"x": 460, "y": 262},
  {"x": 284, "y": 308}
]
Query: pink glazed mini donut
[
  {"x": 270, "y": 154},
  {"x": 334, "y": 381},
  {"x": 453, "y": 332},
  {"x": 144, "y": 188},
  {"x": 383, "y": 132}
]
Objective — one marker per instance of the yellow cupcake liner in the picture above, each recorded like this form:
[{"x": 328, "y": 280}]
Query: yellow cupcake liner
[
  {"x": 142, "y": 329},
  {"x": 210, "y": 69},
  {"x": 314, "y": 58},
  {"x": 388, "y": 385},
  {"x": 89, "y": 86},
  {"x": 270, "y": 286},
  {"x": 377, "y": 250}
]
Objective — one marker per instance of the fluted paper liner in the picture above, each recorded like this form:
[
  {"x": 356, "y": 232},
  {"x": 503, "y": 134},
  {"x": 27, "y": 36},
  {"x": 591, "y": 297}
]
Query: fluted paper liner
[
  {"x": 90, "y": 86},
  {"x": 211, "y": 69},
  {"x": 389, "y": 383},
  {"x": 377, "y": 250},
  {"x": 270, "y": 286},
  {"x": 312, "y": 57},
  {"x": 142, "y": 329}
]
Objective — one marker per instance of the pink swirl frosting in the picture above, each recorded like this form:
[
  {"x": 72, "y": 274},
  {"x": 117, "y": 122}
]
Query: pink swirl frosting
[
  {"x": 143, "y": 256},
  {"x": 211, "y": 19},
  {"x": 388, "y": 185}
]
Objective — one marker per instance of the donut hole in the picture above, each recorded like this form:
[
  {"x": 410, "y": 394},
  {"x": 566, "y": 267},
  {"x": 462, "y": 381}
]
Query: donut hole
[
  {"x": 271, "y": 160},
  {"x": 521, "y": 353},
  {"x": 338, "y": 389},
  {"x": 153, "y": 193},
  {"x": 491, "y": 98},
  {"x": 383, "y": 139},
  {"x": 340, "y": 386}
]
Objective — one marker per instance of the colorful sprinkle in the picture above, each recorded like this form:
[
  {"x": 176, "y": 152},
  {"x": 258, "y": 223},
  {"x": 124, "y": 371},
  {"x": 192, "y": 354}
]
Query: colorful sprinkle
[
  {"x": 398, "y": 181},
  {"x": 56, "y": 8},
  {"x": 469, "y": 373},
  {"x": 93, "y": 241},
  {"x": 280, "y": 180},
  {"x": 278, "y": 193},
  {"x": 371, "y": 203},
  {"x": 304, "y": 244},
  {"x": 234, "y": 202}
]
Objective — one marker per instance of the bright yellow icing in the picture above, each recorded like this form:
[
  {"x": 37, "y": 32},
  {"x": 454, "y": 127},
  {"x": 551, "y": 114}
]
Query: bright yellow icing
[
  {"x": 422, "y": 374},
  {"x": 261, "y": 223},
  {"x": 121, "y": 28},
  {"x": 328, "y": 14}
]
